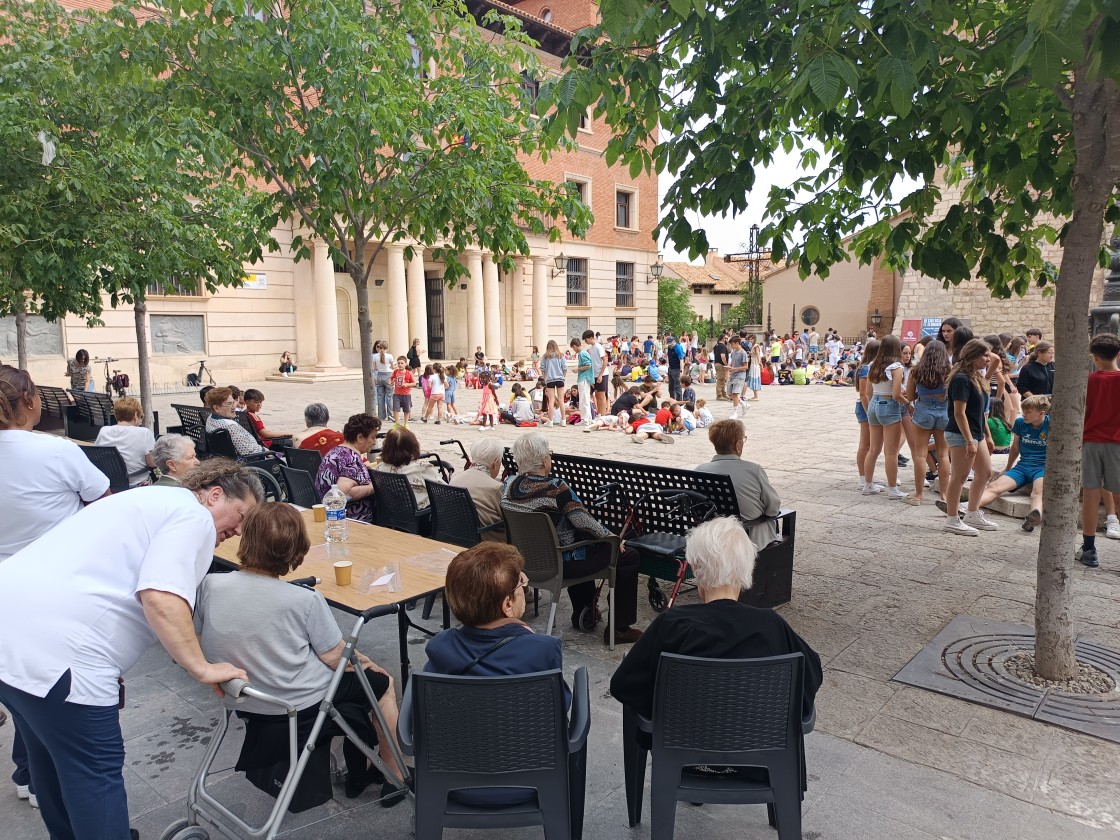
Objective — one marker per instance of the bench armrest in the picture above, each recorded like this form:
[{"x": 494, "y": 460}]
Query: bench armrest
[
  {"x": 808, "y": 724},
  {"x": 494, "y": 526}
]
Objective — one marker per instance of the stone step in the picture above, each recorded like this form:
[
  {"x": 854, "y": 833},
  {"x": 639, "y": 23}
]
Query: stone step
[
  {"x": 1014, "y": 505},
  {"x": 311, "y": 377}
]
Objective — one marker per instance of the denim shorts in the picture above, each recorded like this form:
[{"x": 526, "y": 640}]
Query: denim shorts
[
  {"x": 883, "y": 410},
  {"x": 931, "y": 414},
  {"x": 955, "y": 439},
  {"x": 861, "y": 415}
]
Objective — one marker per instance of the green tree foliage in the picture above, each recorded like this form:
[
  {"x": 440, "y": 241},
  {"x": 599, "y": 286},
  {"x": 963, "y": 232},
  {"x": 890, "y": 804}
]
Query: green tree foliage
[
  {"x": 371, "y": 122},
  {"x": 674, "y": 311},
  {"x": 1014, "y": 102}
]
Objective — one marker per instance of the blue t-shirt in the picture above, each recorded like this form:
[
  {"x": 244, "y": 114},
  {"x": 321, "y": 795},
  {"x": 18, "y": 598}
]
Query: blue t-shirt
[
  {"x": 1032, "y": 442},
  {"x": 588, "y": 375},
  {"x": 647, "y": 345}
]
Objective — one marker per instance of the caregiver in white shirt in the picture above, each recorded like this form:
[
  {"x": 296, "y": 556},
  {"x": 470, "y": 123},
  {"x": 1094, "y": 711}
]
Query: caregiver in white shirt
[{"x": 85, "y": 601}]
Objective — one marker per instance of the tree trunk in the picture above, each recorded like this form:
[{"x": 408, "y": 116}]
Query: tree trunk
[
  {"x": 1096, "y": 112},
  {"x": 365, "y": 334},
  {"x": 21, "y": 335},
  {"x": 143, "y": 360}
]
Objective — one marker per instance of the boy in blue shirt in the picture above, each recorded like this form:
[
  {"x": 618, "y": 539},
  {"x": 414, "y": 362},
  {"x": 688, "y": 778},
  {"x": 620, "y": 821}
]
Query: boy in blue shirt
[
  {"x": 585, "y": 379},
  {"x": 1028, "y": 445}
]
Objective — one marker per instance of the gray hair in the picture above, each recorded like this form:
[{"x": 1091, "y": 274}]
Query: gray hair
[
  {"x": 170, "y": 448},
  {"x": 530, "y": 451},
  {"x": 721, "y": 554},
  {"x": 316, "y": 414},
  {"x": 487, "y": 452}
]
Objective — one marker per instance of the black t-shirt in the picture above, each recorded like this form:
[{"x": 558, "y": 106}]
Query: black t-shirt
[
  {"x": 720, "y": 353},
  {"x": 624, "y": 403},
  {"x": 962, "y": 389},
  {"x": 1036, "y": 378}
]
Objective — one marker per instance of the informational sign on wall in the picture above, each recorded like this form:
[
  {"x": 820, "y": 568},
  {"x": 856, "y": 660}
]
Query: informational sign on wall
[
  {"x": 255, "y": 281},
  {"x": 911, "y": 330},
  {"x": 931, "y": 326}
]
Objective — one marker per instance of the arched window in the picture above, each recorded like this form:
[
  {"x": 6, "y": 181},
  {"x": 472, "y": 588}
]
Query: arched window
[
  {"x": 810, "y": 315},
  {"x": 546, "y": 15}
]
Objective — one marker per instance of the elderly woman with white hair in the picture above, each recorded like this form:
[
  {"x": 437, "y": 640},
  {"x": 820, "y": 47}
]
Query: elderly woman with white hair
[
  {"x": 317, "y": 435},
  {"x": 481, "y": 480},
  {"x": 720, "y": 627},
  {"x": 175, "y": 457},
  {"x": 535, "y": 489}
]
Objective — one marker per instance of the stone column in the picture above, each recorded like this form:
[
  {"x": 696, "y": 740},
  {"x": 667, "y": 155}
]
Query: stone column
[
  {"x": 476, "y": 317},
  {"x": 326, "y": 306},
  {"x": 493, "y": 308},
  {"x": 418, "y": 300},
  {"x": 516, "y": 280},
  {"x": 541, "y": 269},
  {"x": 397, "y": 301}
]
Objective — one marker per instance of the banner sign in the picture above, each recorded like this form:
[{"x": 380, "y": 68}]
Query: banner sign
[
  {"x": 911, "y": 330},
  {"x": 931, "y": 326}
]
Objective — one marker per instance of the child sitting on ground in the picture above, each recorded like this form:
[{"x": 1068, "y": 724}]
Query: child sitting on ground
[
  {"x": 799, "y": 375},
  {"x": 997, "y": 425},
  {"x": 644, "y": 426},
  {"x": 683, "y": 420},
  {"x": 784, "y": 376},
  {"x": 704, "y": 416},
  {"x": 688, "y": 393},
  {"x": 1028, "y": 446}
]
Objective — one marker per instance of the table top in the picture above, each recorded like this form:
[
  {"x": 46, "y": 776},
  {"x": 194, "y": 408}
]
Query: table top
[{"x": 422, "y": 563}]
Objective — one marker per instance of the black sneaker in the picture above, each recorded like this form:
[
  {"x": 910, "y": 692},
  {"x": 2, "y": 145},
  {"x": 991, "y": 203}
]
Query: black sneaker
[
  {"x": 358, "y": 782},
  {"x": 903, "y": 461},
  {"x": 1087, "y": 557},
  {"x": 931, "y": 475}
]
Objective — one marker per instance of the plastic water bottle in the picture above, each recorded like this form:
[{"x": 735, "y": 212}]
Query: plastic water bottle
[{"x": 337, "y": 529}]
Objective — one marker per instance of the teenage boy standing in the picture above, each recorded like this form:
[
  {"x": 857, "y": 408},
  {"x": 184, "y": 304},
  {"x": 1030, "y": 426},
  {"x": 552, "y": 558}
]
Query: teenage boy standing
[{"x": 1100, "y": 454}]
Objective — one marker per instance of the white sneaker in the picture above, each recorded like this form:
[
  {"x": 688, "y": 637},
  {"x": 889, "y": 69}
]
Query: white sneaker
[
  {"x": 979, "y": 521},
  {"x": 895, "y": 493},
  {"x": 667, "y": 439},
  {"x": 1112, "y": 528},
  {"x": 23, "y": 792},
  {"x": 285, "y": 375},
  {"x": 872, "y": 489},
  {"x": 956, "y": 526}
]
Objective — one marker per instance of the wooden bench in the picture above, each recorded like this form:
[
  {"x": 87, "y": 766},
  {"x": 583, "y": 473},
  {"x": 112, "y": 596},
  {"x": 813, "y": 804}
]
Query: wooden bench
[
  {"x": 91, "y": 411},
  {"x": 56, "y": 409},
  {"x": 773, "y": 573}
]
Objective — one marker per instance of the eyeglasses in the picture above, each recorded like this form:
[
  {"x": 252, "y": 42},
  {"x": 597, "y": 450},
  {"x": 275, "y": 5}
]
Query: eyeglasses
[{"x": 522, "y": 582}]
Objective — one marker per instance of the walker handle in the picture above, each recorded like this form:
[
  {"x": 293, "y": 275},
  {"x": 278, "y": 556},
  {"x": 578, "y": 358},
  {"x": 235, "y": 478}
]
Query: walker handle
[
  {"x": 379, "y": 611},
  {"x": 308, "y": 582},
  {"x": 234, "y": 687}
]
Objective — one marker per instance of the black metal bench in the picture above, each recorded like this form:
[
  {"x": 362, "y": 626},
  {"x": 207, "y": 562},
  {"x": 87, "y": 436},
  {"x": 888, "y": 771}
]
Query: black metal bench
[
  {"x": 773, "y": 573},
  {"x": 56, "y": 409},
  {"x": 91, "y": 411},
  {"x": 193, "y": 422}
]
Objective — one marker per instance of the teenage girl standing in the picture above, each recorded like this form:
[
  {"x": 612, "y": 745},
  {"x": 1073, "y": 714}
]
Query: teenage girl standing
[
  {"x": 859, "y": 380},
  {"x": 925, "y": 392},
  {"x": 884, "y": 416},
  {"x": 969, "y": 441}
]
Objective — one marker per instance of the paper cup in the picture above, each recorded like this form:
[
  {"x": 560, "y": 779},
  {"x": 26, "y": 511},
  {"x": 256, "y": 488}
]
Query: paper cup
[
  {"x": 343, "y": 569},
  {"x": 320, "y": 512}
]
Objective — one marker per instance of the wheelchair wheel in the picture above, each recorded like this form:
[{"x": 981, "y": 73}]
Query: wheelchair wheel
[
  {"x": 588, "y": 619},
  {"x": 179, "y": 830},
  {"x": 657, "y": 599}
]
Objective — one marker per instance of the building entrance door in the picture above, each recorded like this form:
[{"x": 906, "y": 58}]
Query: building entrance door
[{"x": 434, "y": 287}]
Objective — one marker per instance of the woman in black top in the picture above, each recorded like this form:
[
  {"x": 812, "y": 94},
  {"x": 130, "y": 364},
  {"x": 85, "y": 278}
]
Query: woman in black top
[
  {"x": 414, "y": 356},
  {"x": 1036, "y": 377},
  {"x": 970, "y": 442}
]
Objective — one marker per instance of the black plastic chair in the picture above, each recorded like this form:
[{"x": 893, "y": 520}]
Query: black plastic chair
[
  {"x": 272, "y": 490},
  {"x": 108, "y": 459},
  {"x": 721, "y": 712},
  {"x": 307, "y": 460},
  {"x": 220, "y": 443},
  {"x": 488, "y": 732},
  {"x": 301, "y": 487},
  {"x": 454, "y": 516},
  {"x": 395, "y": 504},
  {"x": 533, "y": 534}
]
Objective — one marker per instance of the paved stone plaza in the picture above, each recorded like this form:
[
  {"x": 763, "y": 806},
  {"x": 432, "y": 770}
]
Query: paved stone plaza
[{"x": 874, "y": 581}]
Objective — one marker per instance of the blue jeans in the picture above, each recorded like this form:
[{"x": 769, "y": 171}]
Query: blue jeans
[
  {"x": 675, "y": 384},
  {"x": 22, "y": 775},
  {"x": 77, "y": 762},
  {"x": 383, "y": 395}
]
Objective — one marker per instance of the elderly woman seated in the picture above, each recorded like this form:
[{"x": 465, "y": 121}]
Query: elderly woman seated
[
  {"x": 757, "y": 497},
  {"x": 222, "y": 402},
  {"x": 346, "y": 466},
  {"x": 317, "y": 435},
  {"x": 400, "y": 454},
  {"x": 482, "y": 482},
  {"x": 175, "y": 457},
  {"x": 722, "y": 559},
  {"x": 535, "y": 489},
  {"x": 131, "y": 438},
  {"x": 287, "y": 641},
  {"x": 485, "y": 589}
]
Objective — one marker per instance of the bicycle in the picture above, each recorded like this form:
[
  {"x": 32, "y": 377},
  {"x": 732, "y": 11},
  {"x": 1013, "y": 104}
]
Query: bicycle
[
  {"x": 194, "y": 380},
  {"x": 116, "y": 381}
]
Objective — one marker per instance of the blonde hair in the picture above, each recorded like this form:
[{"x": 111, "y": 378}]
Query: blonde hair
[
  {"x": 1037, "y": 402},
  {"x": 127, "y": 409}
]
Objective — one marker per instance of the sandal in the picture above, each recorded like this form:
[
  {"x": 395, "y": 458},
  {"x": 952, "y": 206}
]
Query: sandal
[{"x": 912, "y": 500}]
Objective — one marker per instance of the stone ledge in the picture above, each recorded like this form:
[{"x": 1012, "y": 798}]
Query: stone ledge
[{"x": 312, "y": 377}]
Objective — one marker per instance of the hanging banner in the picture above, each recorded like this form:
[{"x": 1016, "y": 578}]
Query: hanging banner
[{"x": 911, "y": 330}]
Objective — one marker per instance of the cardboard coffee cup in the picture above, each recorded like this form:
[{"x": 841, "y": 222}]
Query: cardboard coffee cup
[
  {"x": 320, "y": 512},
  {"x": 343, "y": 569}
]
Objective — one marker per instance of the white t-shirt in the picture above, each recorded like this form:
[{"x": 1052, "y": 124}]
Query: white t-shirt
[
  {"x": 387, "y": 366},
  {"x": 522, "y": 410},
  {"x": 133, "y": 442},
  {"x": 598, "y": 359},
  {"x": 71, "y": 597},
  {"x": 438, "y": 386},
  {"x": 44, "y": 480}
]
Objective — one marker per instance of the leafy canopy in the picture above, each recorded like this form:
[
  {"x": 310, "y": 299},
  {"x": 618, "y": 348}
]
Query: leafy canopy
[{"x": 868, "y": 96}]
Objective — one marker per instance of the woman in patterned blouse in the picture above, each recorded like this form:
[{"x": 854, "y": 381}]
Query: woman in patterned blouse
[{"x": 346, "y": 466}]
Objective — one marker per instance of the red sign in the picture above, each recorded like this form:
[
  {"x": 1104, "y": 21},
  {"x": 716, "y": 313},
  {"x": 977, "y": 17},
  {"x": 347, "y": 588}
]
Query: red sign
[{"x": 911, "y": 330}]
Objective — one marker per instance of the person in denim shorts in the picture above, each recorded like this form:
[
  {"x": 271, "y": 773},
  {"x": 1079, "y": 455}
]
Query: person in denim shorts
[
  {"x": 884, "y": 416},
  {"x": 926, "y": 396},
  {"x": 858, "y": 380}
]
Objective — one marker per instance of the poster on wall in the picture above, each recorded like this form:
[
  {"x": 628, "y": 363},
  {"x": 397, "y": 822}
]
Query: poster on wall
[
  {"x": 255, "y": 281},
  {"x": 911, "y": 330},
  {"x": 931, "y": 326}
]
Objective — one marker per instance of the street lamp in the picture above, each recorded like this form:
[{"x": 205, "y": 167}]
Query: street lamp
[
  {"x": 561, "y": 264},
  {"x": 655, "y": 270},
  {"x": 876, "y": 319}
]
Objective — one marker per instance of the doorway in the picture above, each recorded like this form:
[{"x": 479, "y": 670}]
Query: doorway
[{"x": 433, "y": 284}]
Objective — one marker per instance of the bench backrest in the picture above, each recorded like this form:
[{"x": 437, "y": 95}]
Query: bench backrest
[
  {"x": 193, "y": 419},
  {"x": 54, "y": 400},
  {"x": 94, "y": 408}
]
